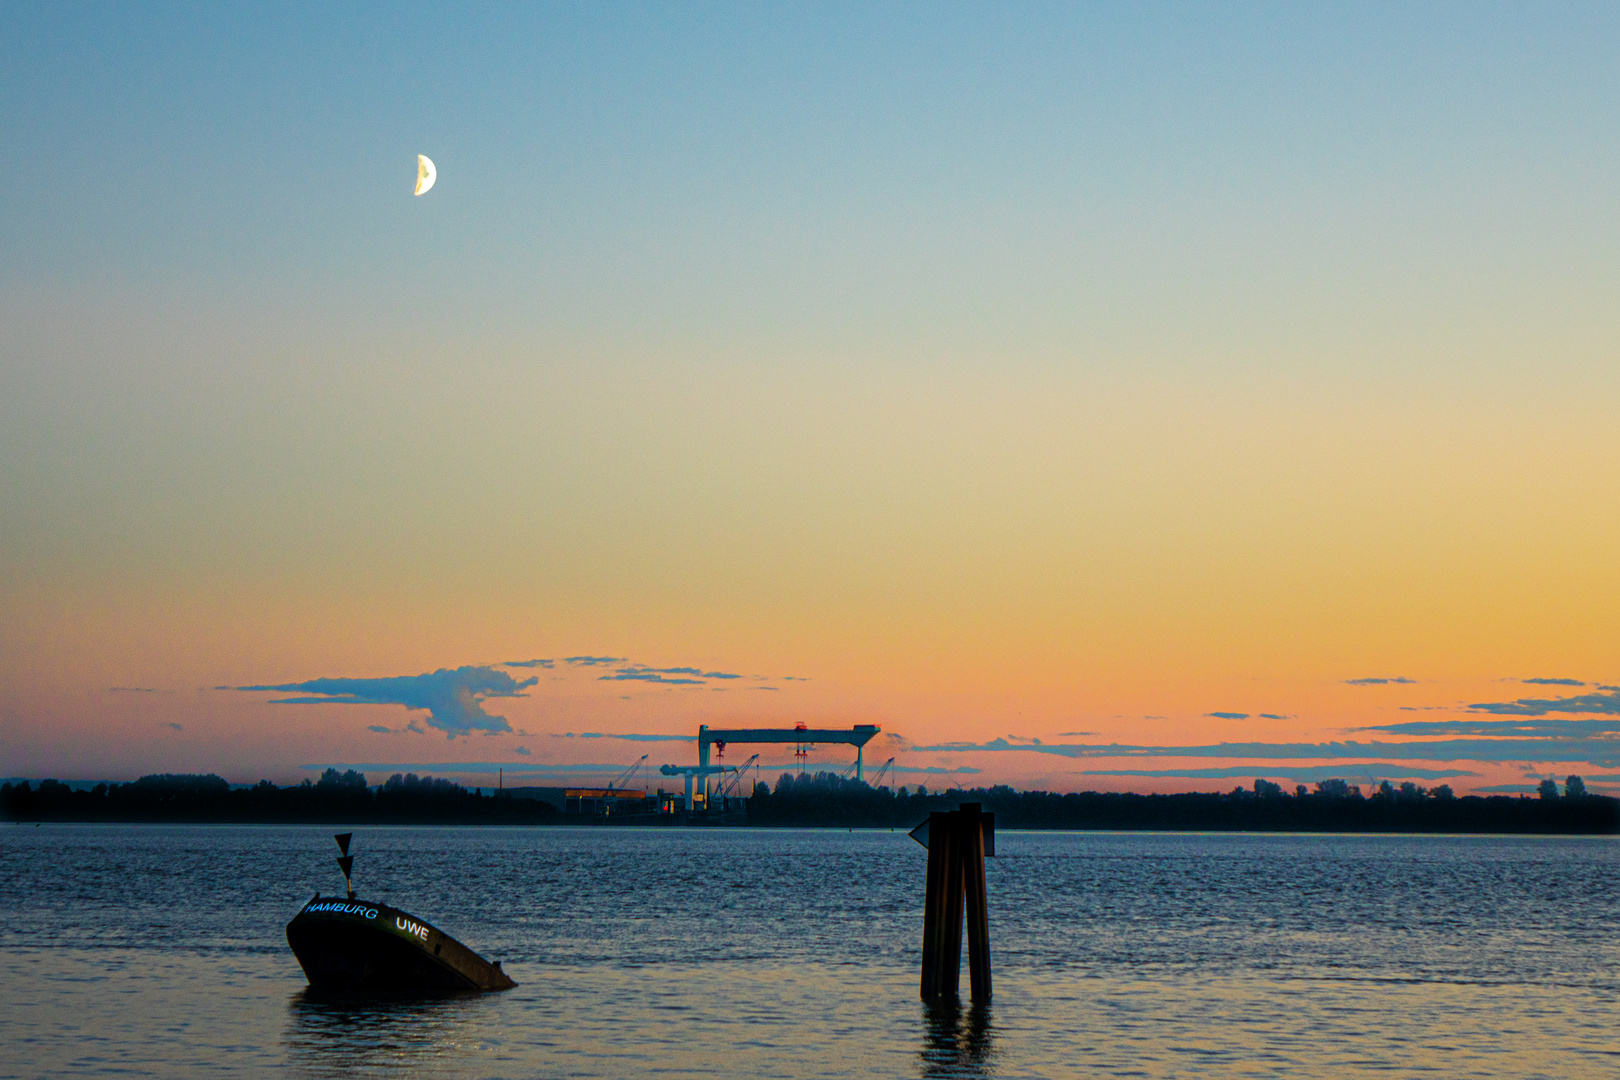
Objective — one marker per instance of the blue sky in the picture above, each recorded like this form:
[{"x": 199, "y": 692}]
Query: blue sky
[{"x": 1196, "y": 375}]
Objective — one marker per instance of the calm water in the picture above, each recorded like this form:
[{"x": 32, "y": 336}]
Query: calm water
[{"x": 158, "y": 951}]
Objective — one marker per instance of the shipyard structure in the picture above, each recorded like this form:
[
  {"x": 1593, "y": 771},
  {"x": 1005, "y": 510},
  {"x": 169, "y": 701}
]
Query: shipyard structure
[{"x": 713, "y": 792}]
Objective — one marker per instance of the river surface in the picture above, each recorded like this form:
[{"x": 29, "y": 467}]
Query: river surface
[{"x": 159, "y": 951}]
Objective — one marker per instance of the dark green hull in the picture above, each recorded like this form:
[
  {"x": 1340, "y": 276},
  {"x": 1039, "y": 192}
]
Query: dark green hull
[{"x": 362, "y": 947}]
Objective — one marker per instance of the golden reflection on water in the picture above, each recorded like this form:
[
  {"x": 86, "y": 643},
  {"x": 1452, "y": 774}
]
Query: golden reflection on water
[
  {"x": 1316, "y": 958},
  {"x": 332, "y": 1037},
  {"x": 958, "y": 1040}
]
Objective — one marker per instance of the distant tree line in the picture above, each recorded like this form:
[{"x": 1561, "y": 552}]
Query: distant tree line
[
  {"x": 827, "y": 799},
  {"x": 335, "y": 797}
]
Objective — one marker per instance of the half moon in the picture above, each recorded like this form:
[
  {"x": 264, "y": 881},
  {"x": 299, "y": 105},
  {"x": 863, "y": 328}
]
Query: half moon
[{"x": 425, "y": 174}]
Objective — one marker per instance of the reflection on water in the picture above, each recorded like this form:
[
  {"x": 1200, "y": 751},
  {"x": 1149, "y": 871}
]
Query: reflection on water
[
  {"x": 957, "y": 1041},
  {"x": 1310, "y": 957},
  {"x": 327, "y": 1036}
]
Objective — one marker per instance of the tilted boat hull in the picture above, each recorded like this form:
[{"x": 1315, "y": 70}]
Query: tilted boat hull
[{"x": 362, "y": 947}]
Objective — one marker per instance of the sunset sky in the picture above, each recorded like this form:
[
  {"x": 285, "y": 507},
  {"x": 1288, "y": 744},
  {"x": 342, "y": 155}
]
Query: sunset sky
[{"x": 1122, "y": 397}]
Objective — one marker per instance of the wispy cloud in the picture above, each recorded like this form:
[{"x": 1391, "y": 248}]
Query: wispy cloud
[
  {"x": 676, "y": 676},
  {"x": 1553, "y": 682},
  {"x": 452, "y": 698},
  {"x": 1228, "y": 715},
  {"x": 380, "y": 728},
  {"x": 1535, "y": 727},
  {"x": 458, "y": 767},
  {"x": 1604, "y": 701},
  {"x": 1603, "y": 752},
  {"x": 651, "y": 677},
  {"x": 1384, "y": 770},
  {"x": 621, "y": 670},
  {"x": 1401, "y": 680},
  {"x": 934, "y": 770},
  {"x": 625, "y": 736},
  {"x": 1275, "y": 716},
  {"x": 134, "y": 690},
  {"x": 175, "y": 726}
]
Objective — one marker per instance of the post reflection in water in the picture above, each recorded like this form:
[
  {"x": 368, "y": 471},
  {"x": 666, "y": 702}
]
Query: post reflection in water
[
  {"x": 327, "y": 1036},
  {"x": 957, "y": 1041}
]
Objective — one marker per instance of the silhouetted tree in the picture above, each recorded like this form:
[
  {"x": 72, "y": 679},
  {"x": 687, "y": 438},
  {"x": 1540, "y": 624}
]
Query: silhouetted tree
[
  {"x": 1574, "y": 787},
  {"x": 1548, "y": 788},
  {"x": 348, "y": 781}
]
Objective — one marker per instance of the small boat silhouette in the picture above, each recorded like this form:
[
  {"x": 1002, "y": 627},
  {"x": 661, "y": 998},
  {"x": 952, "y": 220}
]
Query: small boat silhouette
[{"x": 353, "y": 946}]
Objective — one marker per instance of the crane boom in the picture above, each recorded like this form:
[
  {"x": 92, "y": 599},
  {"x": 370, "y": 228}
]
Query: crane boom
[
  {"x": 729, "y": 788},
  {"x": 877, "y": 781},
  {"x": 622, "y": 781}
]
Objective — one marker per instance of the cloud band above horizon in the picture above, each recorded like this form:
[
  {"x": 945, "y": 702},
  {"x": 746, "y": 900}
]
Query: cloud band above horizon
[{"x": 452, "y": 698}]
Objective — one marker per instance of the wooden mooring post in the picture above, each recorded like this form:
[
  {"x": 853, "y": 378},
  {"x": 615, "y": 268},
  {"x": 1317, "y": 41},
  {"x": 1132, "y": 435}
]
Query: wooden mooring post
[{"x": 958, "y": 842}]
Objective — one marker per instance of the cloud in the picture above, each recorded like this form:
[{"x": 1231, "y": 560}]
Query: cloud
[
  {"x": 1603, "y": 752},
  {"x": 1553, "y": 682},
  {"x": 1228, "y": 715},
  {"x": 453, "y": 699},
  {"x": 594, "y": 661},
  {"x": 641, "y": 674},
  {"x": 677, "y": 676},
  {"x": 1382, "y": 769},
  {"x": 935, "y": 770},
  {"x": 525, "y": 768},
  {"x": 1506, "y": 729},
  {"x": 134, "y": 690},
  {"x": 176, "y": 727},
  {"x": 627, "y": 737},
  {"x": 524, "y": 750},
  {"x": 379, "y": 727},
  {"x": 1402, "y": 680},
  {"x": 1275, "y": 716},
  {"x": 529, "y": 663},
  {"x": 1606, "y": 701},
  {"x": 1082, "y": 734}
]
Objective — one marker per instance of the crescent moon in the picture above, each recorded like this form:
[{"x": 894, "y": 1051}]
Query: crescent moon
[{"x": 425, "y": 174}]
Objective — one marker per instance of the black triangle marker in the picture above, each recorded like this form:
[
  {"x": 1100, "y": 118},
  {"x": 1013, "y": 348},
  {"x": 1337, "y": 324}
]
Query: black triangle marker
[{"x": 343, "y": 839}]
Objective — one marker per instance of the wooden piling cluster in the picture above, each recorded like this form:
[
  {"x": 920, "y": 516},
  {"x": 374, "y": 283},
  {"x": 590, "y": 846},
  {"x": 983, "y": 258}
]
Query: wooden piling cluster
[{"x": 956, "y": 853}]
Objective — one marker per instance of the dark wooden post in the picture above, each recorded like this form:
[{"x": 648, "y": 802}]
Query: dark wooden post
[
  {"x": 970, "y": 846},
  {"x": 934, "y": 906},
  {"x": 950, "y": 957},
  {"x": 956, "y": 851}
]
